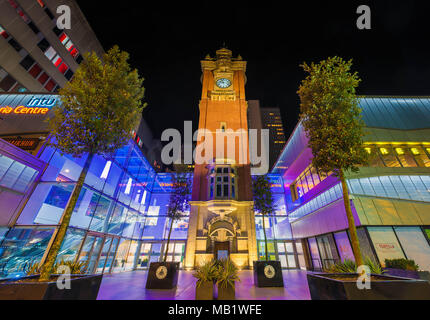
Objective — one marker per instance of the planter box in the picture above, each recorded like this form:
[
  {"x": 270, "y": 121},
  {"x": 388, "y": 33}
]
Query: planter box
[
  {"x": 424, "y": 275},
  {"x": 81, "y": 288},
  {"x": 205, "y": 291},
  {"x": 226, "y": 293},
  {"x": 268, "y": 274},
  {"x": 402, "y": 273},
  {"x": 162, "y": 275},
  {"x": 327, "y": 287}
]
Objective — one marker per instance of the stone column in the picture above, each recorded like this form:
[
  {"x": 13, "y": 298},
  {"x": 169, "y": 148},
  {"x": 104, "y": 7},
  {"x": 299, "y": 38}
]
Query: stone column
[{"x": 191, "y": 238}]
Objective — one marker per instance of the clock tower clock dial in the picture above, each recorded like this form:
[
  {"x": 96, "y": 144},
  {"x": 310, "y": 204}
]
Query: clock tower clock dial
[
  {"x": 221, "y": 209},
  {"x": 223, "y": 83}
]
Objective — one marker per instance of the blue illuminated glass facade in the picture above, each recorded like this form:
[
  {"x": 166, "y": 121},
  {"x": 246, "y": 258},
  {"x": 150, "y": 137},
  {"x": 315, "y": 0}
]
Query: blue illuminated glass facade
[{"x": 120, "y": 210}]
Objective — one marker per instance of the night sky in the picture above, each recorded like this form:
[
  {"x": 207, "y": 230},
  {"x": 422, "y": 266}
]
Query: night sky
[{"x": 166, "y": 42}]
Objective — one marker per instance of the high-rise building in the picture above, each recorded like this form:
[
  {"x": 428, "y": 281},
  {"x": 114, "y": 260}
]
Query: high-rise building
[
  {"x": 271, "y": 119},
  {"x": 35, "y": 55},
  {"x": 261, "y": 147}
]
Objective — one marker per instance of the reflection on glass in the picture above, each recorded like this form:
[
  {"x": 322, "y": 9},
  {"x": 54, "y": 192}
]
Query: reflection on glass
[{"x": 389, "y": 157}]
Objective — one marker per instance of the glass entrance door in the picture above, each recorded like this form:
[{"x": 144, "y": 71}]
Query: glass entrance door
[
  {"x": 287, "y": 254},
  {"x": 98, "y": 252}
]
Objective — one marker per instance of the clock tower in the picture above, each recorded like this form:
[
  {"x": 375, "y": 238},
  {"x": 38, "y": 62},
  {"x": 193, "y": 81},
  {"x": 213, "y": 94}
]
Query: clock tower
[{"x": 222, "y": 220}]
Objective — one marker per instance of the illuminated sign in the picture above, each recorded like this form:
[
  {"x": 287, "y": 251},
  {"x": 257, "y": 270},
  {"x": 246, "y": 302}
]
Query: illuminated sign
[
  {"x": 24, "y": 143},
  {"x": 36, "y": 105}
]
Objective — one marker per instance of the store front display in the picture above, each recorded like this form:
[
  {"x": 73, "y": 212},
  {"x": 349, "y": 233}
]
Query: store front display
[{"x": 385, "y": 243}]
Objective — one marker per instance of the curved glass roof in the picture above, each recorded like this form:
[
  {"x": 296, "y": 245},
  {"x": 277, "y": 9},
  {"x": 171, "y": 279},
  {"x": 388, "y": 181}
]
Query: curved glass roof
[
  {"x": 396, "y": 113},
  {"x": 399, "y": 113}
]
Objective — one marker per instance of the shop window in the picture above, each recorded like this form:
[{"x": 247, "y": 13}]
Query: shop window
[
  {"x": 270, "y": 248},
  {"x": 315, "y": 256},
  {"x": 344, "y": 246},
  {"x": 385, "y": 243},
  {"x": 415, "y": 245},
  {"x": 22, "y": 247},
  {"x": 100, "y": 213},
  {"x": 15, "y": 175},
  {"x": 47, "y": 204},
  {"x": 117, "y": 219},
  {"x": 71, "y": 245},
  {"x": 327, "y": 250}
]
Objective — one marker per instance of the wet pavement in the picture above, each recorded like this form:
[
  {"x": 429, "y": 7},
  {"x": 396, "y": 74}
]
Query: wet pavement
[{"x": 131, "y": 286}]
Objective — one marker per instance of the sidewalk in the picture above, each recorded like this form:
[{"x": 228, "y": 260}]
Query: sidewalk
[{"x": 131, "y": 286}]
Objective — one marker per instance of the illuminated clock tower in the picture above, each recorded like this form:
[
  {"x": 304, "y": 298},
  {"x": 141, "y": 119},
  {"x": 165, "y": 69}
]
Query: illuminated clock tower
[{"x": 222, "y": 220}]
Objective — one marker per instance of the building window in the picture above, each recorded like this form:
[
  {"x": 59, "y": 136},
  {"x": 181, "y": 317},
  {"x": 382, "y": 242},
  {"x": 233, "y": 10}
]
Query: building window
[
  {"x": 398, "y": 156},
  {"x": 222, "y": 182},
  {"x": 307, "y": 180},
  {"x": 27, "y": 62}
]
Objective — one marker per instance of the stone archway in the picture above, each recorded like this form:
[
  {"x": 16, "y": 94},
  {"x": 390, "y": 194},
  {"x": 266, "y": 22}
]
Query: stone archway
[{"x": 221, "y": 237}]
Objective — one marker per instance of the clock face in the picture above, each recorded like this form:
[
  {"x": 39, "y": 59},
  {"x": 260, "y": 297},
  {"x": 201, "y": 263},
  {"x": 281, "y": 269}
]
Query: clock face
[{"x": 223, "y": 83}]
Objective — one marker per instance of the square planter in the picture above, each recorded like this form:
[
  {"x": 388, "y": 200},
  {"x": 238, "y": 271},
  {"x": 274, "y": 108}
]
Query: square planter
[
  {"x": 205, "y": 291},
  {"x": 81, "y": 288},
  {"x": 424, "y": 275},
  {"x": 227, "y": 293},
  {"x": 162, "y": 275},
  {"x": 268, "y": 274},
  {"x": 339, "y": 287},
  {"x": 402, "y": 273}
]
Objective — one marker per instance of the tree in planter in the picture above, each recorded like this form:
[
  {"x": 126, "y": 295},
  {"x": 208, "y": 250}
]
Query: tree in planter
[
  {"x": 178, "y": 201},
  {"x": 263, "y": 203},
  {"x": 101, "y": 106},
  {"x": 330, "y": 115}
]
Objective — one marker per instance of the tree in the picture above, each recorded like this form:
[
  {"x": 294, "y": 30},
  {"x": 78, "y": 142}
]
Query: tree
[
  {"x": 101, "y": 106},
  {"x": 331, "y": 117},
  {"x": 263, "y": 202},
  {"x": 178, "y": 201}
]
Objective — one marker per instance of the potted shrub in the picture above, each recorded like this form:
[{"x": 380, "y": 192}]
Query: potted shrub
[
  {"x": 164, "y": 275},
  {"x": 82, "y": 287},
  {"x": 340, "y": 283},
  {"x": 266, "y": 273},
  {"x": 206, "y": 275},
  {"x": 404, "y": 268},
  {"x": 226, "y": 276}
]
